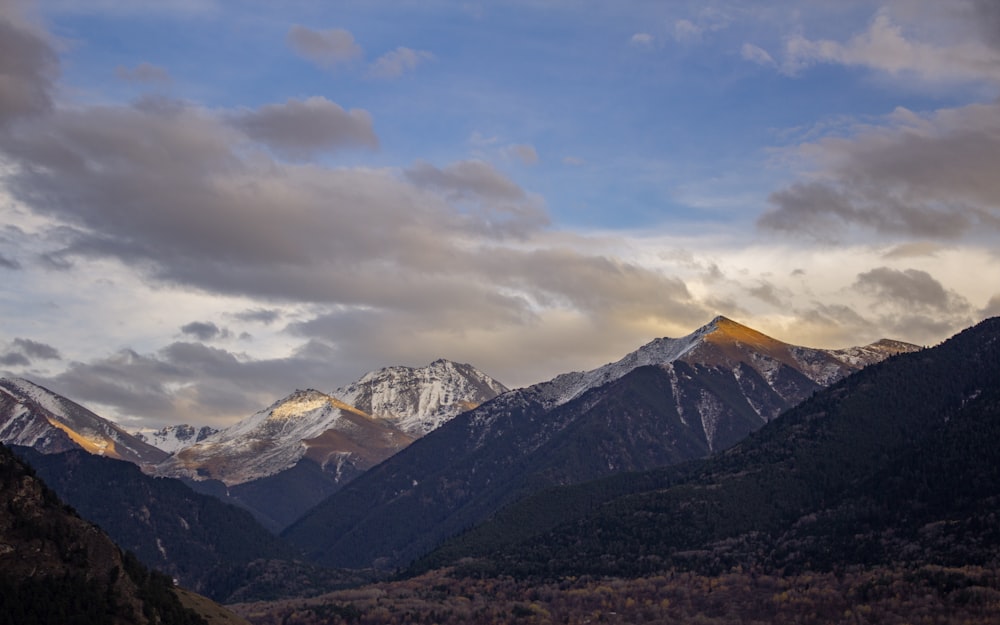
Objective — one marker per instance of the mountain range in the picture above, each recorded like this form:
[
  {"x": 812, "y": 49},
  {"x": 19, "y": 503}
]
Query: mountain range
[
  {"x": 385, "y": 497},
  {"x": 895, "y": 466},
  {"x": 285, "y": 459},
  {"x": 812, "y": 485},
  {"x": 670, "y": 401}
]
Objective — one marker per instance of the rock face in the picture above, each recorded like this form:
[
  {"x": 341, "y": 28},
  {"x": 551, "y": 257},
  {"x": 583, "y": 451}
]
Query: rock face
[
  {"x": 33, "y": 416},
  {"x": 669, "y": 401},
  {"x": 420, "y": 399},
  {"x": 345, "y": 432}
]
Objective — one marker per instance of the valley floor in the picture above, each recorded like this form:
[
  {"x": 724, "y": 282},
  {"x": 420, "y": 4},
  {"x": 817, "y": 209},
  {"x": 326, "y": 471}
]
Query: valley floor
[{"x": 925, "y": 595}]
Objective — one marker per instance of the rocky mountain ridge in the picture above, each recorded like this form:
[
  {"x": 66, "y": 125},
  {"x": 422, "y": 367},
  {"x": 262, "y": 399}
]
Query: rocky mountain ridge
[
  {"x": 345, "y": 432},
  {"x": 669, "y": 401},
  {"x": 420, "y": 399},
  {"x": 33, "y": 416},
  {"x": 895, "y": 466}
]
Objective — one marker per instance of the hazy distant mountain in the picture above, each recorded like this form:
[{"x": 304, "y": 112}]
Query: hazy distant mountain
[
  {"x": 895, "y": 466},
  {"x": 33, "y": 416},
  {"x": 669, "y": 401},
  {"x": 283, "y": 460},
  {"x": 173, "y": 438}
]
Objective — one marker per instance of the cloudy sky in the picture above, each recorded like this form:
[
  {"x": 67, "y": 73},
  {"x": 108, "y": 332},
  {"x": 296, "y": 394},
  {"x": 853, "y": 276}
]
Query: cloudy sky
[{"x": 205, "y": 205}]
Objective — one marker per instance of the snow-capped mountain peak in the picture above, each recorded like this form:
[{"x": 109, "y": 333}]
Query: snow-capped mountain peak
[
  {"x": 348, "y": 430},
  {"x": 724, "y": 343},
  {"x": 276, "y": 438},
  {"x": 659, "y": 351},
  {"x": 33, "y": 416},
  {"x": 173, "y": 438},
  {"x": 420, "y": 399}
]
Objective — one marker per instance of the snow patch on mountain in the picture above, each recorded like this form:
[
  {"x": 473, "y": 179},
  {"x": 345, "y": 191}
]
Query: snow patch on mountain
[
  {"x": 710, "y": 409},
  {"x": 721, "y": 343},
  {"x": 568, "y": 386},
  {"x": 267, "y": 442},
  {"x": 173, "y": 438}
]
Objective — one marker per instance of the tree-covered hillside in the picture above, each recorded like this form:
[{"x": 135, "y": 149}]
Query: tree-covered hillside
[{"x": 896, "y": 464}]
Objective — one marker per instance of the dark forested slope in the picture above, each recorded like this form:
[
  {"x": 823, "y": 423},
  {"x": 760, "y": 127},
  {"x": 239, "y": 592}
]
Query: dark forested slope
[
  {"x": 896, "y": 464},
  {"x": 192, "y": 537},
  {"x": 57, "y": 568}
]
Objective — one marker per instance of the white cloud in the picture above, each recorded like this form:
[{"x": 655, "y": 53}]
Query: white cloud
[
  {"x": 686, "y": 31},
  {"x": 756, "y": 54},
  {"x": 885, "y": 47},
  {"x": 642, "y": 39},
  {"x": 708, "y": 20},
  {"x": 398, "y": 62}
]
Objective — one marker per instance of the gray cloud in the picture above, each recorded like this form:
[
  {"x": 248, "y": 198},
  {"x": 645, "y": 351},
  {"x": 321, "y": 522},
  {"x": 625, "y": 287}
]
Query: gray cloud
[
  {"x": 910, "y": 288},
  {"x": 28, "y": 66},
  {"x": 766, "y": 292},
  {"x": 830, "y": 325},
  {"x": 914, "y": 249},
  {"x": 204, "y": 330},
  {"x": 9, "y": 263},
  {"x": 14, "y": 359},
  {"x": 259, "y": 315},
  {"x": 986, "y": 15},
  {"x": 992, "y": 308},
  {"x": 934, "y": 179},
  {"x": 55, "y": 261},
  {"x": 34, "y": 349},
  {"x": 191, "y": 382},
  {"x": 143, "y": 73},
  {"x": 326, "y": 48},
  {"x": 464, "y": 179},
  {"x": 301, "y": 129},
  {"x": 398, "y": 62}
]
